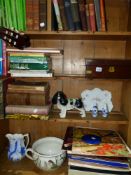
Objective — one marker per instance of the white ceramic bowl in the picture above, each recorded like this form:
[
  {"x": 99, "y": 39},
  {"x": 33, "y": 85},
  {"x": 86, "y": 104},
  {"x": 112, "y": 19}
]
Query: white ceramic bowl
[{"x": 47, "y": 153}]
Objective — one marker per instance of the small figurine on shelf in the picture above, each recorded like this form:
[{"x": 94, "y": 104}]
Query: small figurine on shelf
[
  {"x": 97, "y": 101},
  {"x": 64, "y": 104}
]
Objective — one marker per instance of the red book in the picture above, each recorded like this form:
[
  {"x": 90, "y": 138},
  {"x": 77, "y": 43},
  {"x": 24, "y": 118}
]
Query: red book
[
  {"x": 82, "y": 11},
  {"x": 92, "y": 17},
  {"x": 102, "y": 15}
]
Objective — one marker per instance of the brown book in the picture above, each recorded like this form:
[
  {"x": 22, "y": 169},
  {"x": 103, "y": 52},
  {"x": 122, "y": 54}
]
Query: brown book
[
  {"x": 92, "y": 17},
  {"x": 36, "y": 21},
  {"x": 62, "y": 14},
  {"x": 29, "y": 14},
  {"x": 43, "y": 14},
  {"x": 102, "y": 15},
  {"x": 17, "y": 98},
  {"x": 28, "y": 87},
  {"x": 87, "y": 16},
  {"x": 82, "y": 11},
  {"x": 23, "y": 109}
]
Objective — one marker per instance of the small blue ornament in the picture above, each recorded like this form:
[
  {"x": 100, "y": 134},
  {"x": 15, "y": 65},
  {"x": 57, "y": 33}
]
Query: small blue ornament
[{"x": 91, "y": 139}]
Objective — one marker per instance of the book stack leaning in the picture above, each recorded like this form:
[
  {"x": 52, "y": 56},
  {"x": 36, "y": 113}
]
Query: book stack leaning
[
  {"x": 96, "y": 151},
  {"x": 25, "y": 100}
]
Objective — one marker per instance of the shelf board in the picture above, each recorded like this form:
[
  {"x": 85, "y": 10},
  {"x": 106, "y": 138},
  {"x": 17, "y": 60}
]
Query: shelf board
[
  {"x": 79, "y": 35},
  {"x": 113, "y": 118},
  {"x": 74, "y": 117},
  {"x": 26, "y": 167}
]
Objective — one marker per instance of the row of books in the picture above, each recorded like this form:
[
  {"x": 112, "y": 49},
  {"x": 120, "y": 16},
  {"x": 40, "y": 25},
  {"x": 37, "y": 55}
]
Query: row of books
[
  {"x": 85, "y": 15},
  {"x": 29, "y": 64},
  {"x": 96, "y": 151}
]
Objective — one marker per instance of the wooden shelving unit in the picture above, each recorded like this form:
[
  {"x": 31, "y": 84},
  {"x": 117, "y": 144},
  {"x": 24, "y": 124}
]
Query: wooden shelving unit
[{"x": 70, "y": 78}]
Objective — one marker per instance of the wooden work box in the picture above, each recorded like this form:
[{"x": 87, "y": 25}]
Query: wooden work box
[{"x": 105, "y": 68}]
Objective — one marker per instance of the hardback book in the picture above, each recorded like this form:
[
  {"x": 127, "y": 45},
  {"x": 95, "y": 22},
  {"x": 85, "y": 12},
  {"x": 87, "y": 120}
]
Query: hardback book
[
  {"x": 103, "y": 162},
  {"x": 69, "y": 16},
  {"x": 29, "y": 15},
  {"x": 28, "y": 87},
  {"x": 1, "y": 58},
  {"x": 92, "y": 17},
  {"x": 97, "y": 12},
  {"x": 82, "y": 11},
  {"x": 24, "y": 98},
  {"x": 103, "y": 16},
  {"x": 62, "y": 14},
  {"x": 75, "y": 14},
  {"x": 87, "y": 16},
  {"x": 30, "y": 109},
  {"x": 76, "y": 170},
  {"x": 4, "y": 60},
  {"x": 36, "y": 20},
  {"x": 43, "y": 14},
  {"x": 57, "y": 13},
  {"x": 98, "y": 142},
  {"x": 54, "y": 24},
  {"x": 29, "y": 66},
  {"x": 30, "y": 73}
]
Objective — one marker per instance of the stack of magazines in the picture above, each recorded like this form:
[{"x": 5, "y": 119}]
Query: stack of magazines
[{"x": 96, "y": 151}]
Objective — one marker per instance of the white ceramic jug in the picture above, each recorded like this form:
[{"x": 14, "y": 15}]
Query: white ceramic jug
[{"x": 17, "y": 146}]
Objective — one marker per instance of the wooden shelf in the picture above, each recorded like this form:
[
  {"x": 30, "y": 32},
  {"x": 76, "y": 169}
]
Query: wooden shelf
[
  {"x": 75, "y": 35},
  {"x": 26, "y": 167},
  {"x": 74, "y": 117}
]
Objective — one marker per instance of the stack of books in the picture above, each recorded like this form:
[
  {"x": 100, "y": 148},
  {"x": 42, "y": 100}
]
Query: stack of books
[
  {"x": 28, "y": 98},
  {"x": 29, "y": 64},
  {"x": 96, "y": 151}
]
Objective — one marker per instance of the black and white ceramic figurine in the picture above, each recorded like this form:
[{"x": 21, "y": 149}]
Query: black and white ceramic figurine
[{"x": 64, "y": 104}]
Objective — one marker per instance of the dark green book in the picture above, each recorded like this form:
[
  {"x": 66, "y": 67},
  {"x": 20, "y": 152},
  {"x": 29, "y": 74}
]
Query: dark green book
[{"x": 29, "y": 66}]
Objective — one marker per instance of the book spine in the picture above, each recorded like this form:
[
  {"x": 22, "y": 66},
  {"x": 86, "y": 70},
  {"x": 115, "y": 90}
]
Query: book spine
[
  {"x": 102, "y": 15},
  {"x": 82, "y": 10},
  {"x": 1, "y": 66},
  {"x": 43, "y": 14},
  {"x": 62, "y": 14},
  {"x": 92, "y": 17},
  {"x": 29, "y": 15},
  {"x": 13, "y": 14},
  {"x": 20, "y": 109},
  {"x": 26, "y": 54},
  {"x": 36, "y": 15},
  {"x": 28, "y": 66},
  {"x": 20, "y": 15},
  {"x": 69, "y": 17},
  {"x": 57, "y": 13},
  {"x": 22, "y": 59},
  {"x": 75, "y": 14},
  {"x": 87, "y": 17},
  {"x": 97, "y": 12},
  {"x": 5, "y": 60}
]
